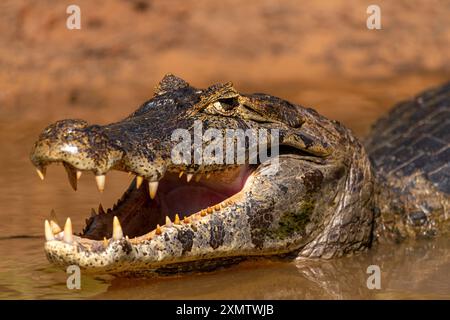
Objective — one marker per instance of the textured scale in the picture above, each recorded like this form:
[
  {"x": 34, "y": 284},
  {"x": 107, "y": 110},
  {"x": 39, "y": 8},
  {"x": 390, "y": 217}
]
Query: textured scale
[
  {"x": 323, "y": 197},
  {"x": 410, "y": 152}
]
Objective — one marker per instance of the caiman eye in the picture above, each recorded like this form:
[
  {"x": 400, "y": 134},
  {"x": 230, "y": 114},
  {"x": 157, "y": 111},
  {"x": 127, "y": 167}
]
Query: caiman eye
[{"x": 222, "y": 106}]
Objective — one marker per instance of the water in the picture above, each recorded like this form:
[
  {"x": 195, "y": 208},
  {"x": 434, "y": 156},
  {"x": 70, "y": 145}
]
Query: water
[{"x": 409, "y": 270}]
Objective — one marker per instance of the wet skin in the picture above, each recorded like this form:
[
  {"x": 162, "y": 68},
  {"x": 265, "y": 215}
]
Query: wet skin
[{"x": 319, "y": 198}]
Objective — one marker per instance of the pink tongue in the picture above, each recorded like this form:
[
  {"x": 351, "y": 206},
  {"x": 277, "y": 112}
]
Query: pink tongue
[{"x": 190, "y": 199}]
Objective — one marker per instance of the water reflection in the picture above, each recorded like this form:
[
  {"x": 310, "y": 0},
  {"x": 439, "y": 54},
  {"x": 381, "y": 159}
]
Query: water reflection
[{"x": 415, "y": 270}]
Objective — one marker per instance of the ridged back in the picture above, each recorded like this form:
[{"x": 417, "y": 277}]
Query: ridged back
[{"x": 414, "y": 139}]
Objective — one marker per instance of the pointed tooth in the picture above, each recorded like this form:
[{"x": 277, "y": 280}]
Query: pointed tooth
[
  {"x": 55, "y": 227},
  {"x": 72, "y": 175},
  {"x": 48, "y": 231},
  {"x": 198, "y": 177},
  {"x": 158, "y": 230},
  {"x": 139, "y": 181},
  {"x": 117, "y": 229},
  {"x": 68, "y": 236},
  {"x": 152, "y": 188},
  {"x": 177, "y": 219},
  {"x": 93, "y": 213},
  {"x": 100, "y": 180},
  {"x": 186, "y": 220},
  {"x": 41, "y": 172},
  {"x": 105, "y": 242},
  {"x": 189, "y": 177},
  {"x": 168, "y": 222},
  {"x": 53, "y": 215},
  {"x": 181, "y": 174},
  {"x": 78, "y": 174},
  {"x": 100, "y": 209}
]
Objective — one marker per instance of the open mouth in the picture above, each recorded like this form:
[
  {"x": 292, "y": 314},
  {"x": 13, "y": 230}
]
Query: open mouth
[{"x": 147, "y": 207}]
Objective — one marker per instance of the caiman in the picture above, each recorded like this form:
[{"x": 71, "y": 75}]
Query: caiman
[{"x": 323, "y": 195}]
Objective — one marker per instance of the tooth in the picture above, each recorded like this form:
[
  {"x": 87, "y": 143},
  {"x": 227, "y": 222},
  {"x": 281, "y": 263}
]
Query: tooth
[
  {"x": 153, "y": 187},
  {"x": 105, "y": 242},
  {"x": 117, "y": 229},
  {"x": 53, "y": 215},
  {"x": 72, "y": 175},
  {"x": 209, "y": 210},
  {"x": 217, "y": 207},
  {"x": 48, "y": 231},
  {"x": 177, "y": 219},
  {"x": 41, "y": 172},
  {"x": 208, "y": 175},
  {"x": 79, "y": 174},
  {"x": 203, "y": 213},
  {"x": 100, "y": 209},
  {"x": 100, "y": 182},
  {"x": 139, "y": 181},
  {"x": 158, "y": 230},
  {"x": 198, "y": 177},
  {"x": 93, "y": 213},
  {"x": 68, "y": 236},
  {"x": 55, "y": 227},
  {"x": 186, "y": 220},
  {"x": 181, "y": 174},
  {"x": 168, "y": 222},
  {"x": 189, "y": 177}
]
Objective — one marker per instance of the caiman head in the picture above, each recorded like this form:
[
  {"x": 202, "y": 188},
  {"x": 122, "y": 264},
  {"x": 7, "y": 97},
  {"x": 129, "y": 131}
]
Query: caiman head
[{"x": 220, "y": 176}]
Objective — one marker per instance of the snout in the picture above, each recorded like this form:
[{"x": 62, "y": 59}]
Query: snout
[{"x": 76, "y": 144}]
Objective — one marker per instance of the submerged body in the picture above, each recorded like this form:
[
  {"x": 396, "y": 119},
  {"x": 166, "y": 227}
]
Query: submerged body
[{"x": 319, "y": 198}]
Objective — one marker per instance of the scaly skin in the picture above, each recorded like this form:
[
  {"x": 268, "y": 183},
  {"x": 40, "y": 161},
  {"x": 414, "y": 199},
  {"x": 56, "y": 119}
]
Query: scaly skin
[{"x": 320, "y": 203}]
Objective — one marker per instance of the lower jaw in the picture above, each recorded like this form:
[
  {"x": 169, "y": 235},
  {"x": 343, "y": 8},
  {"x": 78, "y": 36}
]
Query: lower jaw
[{"x": 159, "y": 250}]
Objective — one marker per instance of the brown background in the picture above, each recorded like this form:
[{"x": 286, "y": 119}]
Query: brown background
[{"x": 316, "y": 53}]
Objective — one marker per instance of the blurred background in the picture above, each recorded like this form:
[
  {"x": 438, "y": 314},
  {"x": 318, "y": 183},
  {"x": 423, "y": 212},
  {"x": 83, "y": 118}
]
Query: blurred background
[{"x": 317, "y": 53}]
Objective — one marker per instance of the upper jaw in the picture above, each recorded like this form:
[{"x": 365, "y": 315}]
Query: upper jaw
[{"x": 89, "y": 148}]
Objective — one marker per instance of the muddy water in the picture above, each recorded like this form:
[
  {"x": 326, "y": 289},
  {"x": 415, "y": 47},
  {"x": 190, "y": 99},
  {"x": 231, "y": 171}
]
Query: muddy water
[{"x": 410, "y": 270}]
